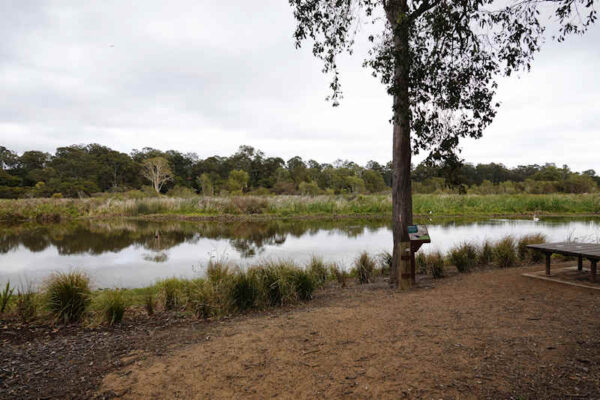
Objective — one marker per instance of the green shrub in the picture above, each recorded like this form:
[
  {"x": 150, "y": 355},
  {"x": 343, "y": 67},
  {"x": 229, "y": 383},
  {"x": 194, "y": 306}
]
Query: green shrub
[
  {"x": 201, "y": 299},
  {"x": 339, "y": 275},
  {"x": 112, "y": 304},
  {"x": 463, "y": 256},
  {"x": 505, "y": 254},
  {"x": 529, "y": 255},
  {"x": 304, "y": 285},
  {"x": 243, "y": 292},
  {"x": 217, "y": 271},
  {"x": 68, "y": 295},
  {"x": 5, "y": 296},
  {"x": 172, "y": 292},
  {"x": 277, "y": 282},
  {"x": 486, "y": 253},
  {"x": 26, "y": 305},
  {"x": 318, "y": 270},
  {"x": 364, "y": 267},
  {"x": 435, "y": 264}
]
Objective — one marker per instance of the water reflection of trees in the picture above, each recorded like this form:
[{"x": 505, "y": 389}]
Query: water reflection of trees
[
  {"x": 97, "y": 237},
  {"x": 248, "y": 238}
]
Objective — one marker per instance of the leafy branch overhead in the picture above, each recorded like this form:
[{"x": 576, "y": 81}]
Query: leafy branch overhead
[{"x": 457, "y": 49}]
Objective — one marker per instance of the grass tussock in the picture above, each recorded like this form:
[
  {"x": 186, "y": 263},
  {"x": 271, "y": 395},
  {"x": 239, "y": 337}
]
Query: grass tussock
[
  {"x": 434, "y": 263},
  {"x": 529, "y": 255},
  {"x": 364, "y": 266},
  {"x": 112, "y": 304},
  {"x": 505, "y": 253},
  {"x": 68, "y": 295},
  {"x": 486, "y": 253},
  {"x": 318, "y": 270},
  {"x": 26, "y": 305},
  {"x": 339, "y": 275},
  {"x": 385, "y": 261},
  {"x": 5, "y": 296},
  {"x": 463, "y": 257},
  {"x": 172, "y": 291}
]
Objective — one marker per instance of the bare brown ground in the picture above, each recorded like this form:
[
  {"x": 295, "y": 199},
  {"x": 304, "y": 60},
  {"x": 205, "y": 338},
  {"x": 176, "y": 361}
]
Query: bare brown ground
[{"x": 491, "y": 334}]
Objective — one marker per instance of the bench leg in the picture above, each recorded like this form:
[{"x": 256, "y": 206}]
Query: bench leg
[
  {"x": 548, "y": 255},
  {"x": 580, "y": 264},
  {"x": 594, "y": 269}
]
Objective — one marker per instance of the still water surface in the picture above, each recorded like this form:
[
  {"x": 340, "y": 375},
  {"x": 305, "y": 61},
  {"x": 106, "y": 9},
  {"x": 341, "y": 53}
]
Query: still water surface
[{"x": 125, "y": 253}]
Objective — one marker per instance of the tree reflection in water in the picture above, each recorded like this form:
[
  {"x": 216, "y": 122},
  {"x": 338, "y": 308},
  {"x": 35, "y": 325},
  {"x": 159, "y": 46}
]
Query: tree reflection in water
[{"x": 94, "y": 237}]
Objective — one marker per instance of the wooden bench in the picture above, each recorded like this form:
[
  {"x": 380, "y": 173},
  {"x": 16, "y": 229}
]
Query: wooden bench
[{"x": 591, "y": 251}]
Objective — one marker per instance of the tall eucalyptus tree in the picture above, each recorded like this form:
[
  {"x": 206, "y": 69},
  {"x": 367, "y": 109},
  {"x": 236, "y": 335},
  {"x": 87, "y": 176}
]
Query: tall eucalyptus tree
[{"x": 440, "y": 61}]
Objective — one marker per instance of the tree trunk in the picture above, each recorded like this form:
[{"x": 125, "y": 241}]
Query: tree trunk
[{"x": 401, "y": 160}]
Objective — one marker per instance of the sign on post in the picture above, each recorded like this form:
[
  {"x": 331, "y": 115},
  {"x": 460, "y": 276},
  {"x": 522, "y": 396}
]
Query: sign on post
[{"x": 418, "y": 235}]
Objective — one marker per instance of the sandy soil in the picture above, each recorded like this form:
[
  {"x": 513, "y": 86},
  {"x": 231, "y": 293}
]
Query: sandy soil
[{"x": 492, "y": 334}]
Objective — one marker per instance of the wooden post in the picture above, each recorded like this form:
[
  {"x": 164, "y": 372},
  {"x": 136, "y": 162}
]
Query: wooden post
[
  {"x": 413, "y": 269},
  {"x": 548, "y": 255},
  {"x": 580, "y": 264},
  {"x": 594, "y": 269}
]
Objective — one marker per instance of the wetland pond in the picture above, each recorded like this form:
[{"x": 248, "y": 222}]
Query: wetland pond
[{"x": 132, "y": 253}]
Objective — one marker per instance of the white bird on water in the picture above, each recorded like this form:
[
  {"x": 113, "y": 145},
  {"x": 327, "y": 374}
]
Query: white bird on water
[{"x": 535, "y": 218}]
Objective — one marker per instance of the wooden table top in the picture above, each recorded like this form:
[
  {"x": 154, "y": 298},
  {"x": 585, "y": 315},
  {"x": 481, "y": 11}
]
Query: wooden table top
[{"x": 588, "y": 250}]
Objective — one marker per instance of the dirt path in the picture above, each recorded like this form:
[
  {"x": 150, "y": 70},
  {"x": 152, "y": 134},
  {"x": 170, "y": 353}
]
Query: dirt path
[{"x": 492, "y": 335}]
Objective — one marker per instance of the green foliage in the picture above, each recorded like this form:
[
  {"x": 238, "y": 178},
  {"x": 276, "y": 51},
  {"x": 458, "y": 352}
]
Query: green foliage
[
  {"x": 206, "y": 185},
  {"x": 529, "y": 255},
  {"x": 364, "y": 267},
  {"x": 68, "y": 295},
  {"x": 112, "y": 304},
  {"x": 486, "y": 253},
  {"x": 172, "y": 290},
  {"x": 505, "y": 253},
  {"x": 5, "y": 296},
  {"x": 464, "y": 257},
  {"x": 244, "y": 291},
  {"x": 304, "y": 285},
  {"x": 318, "y": 270},
  {"x": 238, "y": 181}
]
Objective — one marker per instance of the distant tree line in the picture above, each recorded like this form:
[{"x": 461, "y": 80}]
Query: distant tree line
[{"x": 83, "y": 170}]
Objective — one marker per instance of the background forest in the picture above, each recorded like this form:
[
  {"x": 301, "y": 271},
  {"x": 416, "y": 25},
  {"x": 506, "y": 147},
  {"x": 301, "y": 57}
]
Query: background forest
[{"x": 85, "y": 170}]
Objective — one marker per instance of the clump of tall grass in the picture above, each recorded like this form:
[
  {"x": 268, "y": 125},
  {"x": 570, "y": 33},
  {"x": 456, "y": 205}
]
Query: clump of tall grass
[
  {"x": 339, "y": 275},
  {"x": 149, "y": 302},
  {"x": 529, "y": 255},
  {"x": 318, "y": 270},
  {"x": 171, "y": 290},
  {"x": 386, "y": 259},
  {"x": 435, "y": 264},
  {"x": 463, "y": 256},
  {"x": 5, "y": 296},
  {"x": 505, "y": 254},
  {"x": 421, "y": 263},
  {"x": 486, "y": 253},
  {"x": 217, "y": 271},
  {"x": 26, "y": 305},
  {"x": 112, "y": 304},
  {"x": 364, "y": 266},
  {"x": 304, "y": 284},
  {"x": 68, "y": 295},
  {"x": 243, "y": 291}
]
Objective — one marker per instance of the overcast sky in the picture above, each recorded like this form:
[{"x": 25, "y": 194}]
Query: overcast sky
[{"x": 205, "y": 76}]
